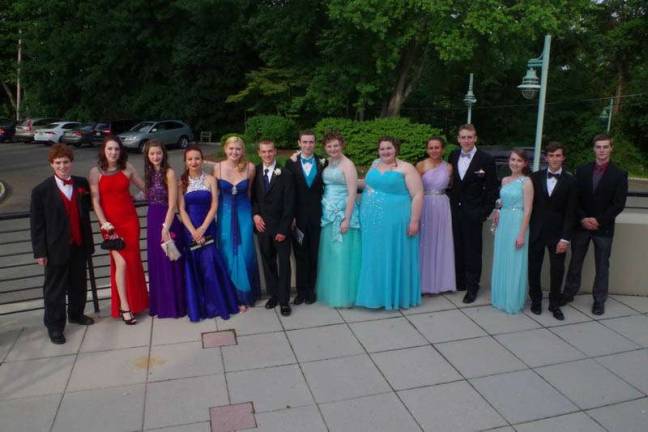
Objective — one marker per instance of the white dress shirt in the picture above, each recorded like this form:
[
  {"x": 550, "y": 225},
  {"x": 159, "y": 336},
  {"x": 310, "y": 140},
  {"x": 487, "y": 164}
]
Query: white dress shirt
[
  {"x": 307, "y": 166},
  {"x": 66, "y": 189},
  {"x": 270, "y": 169},
  {"x": 464, "y": 162},
  {"x": 551, "y": 182}
]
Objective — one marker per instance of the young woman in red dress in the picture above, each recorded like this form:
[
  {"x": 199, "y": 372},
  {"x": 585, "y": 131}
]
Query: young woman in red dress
[{"x": 113, "y": 204}]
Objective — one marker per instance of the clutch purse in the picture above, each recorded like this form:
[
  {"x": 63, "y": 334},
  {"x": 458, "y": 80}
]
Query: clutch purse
[
  {"x": 195, "y": 246},
  {"x": 113, "y": 244},
  {"x": 170, "y": 250}
]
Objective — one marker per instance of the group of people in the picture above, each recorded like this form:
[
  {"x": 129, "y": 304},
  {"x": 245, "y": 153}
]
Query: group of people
[{"x": 377, "y": 242}]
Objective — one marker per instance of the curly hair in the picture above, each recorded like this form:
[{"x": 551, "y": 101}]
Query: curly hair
[{"x": 60, "y": 151}]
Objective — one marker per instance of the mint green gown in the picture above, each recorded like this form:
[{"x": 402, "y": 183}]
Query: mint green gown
[
  {"x": 338, "y": 264},
  {"x": 509, "y": 277}
]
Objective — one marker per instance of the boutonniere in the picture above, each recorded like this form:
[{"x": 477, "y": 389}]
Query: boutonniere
[
  {"x": 480, "y": 173},
  {"x": 277, "y": 171},
  {"x": 82, "y": 191},
  {"x": 323, "y": 161}
]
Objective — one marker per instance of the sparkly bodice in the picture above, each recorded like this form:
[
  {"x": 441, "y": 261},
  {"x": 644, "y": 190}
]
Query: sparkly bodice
[
  {"x": 197, "y": 184},
  {"x": 334, "y": 200},
  {"x": 226, "y": 188},
  {"x": 512, "y": 194},
  {"x": 390, "y": 182},
  {"x": 157, "y": 191}
]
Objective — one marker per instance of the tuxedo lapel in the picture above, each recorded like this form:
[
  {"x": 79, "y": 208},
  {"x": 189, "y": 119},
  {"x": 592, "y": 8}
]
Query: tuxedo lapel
[
  {"x": 55, "y": 194},
  {"x": 300, "y": 172},
  {"x": 471, "y": 167},
  {"x": 543, "y": 185}
]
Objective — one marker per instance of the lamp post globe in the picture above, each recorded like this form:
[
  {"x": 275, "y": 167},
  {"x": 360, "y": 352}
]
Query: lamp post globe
[{"x": 530, "y": 84}]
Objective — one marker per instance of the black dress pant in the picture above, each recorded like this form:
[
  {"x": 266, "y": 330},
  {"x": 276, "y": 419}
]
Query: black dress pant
[
  {"x": 467, "y": 232},
  {"x": 70, "y": 279},
  {"x": 602, "y": 249},
  {"x": 277, "y": 278},
  {"x": 306, "y": 259},
  {"x": 556, "y": 269}
]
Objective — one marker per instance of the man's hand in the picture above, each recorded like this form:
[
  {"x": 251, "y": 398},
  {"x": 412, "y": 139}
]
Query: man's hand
[
  {"x": 562, "y": 247},
  {"x": 590, "y": 224},
  {"x": 279, "y": 238},
  {"x": 41, "y": 261},
  {"x": 259, "y": 223}
]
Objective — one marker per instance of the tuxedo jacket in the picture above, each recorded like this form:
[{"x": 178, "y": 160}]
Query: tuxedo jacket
[
  {"x": 553, "y": 217},
  {"x": 308, "y": 200},
  {"x": 606, "y": 201},
  {"x": 50, "y": 226},
  {"x": 276, "y": 205},
  {"x": 477, "y": 192}
]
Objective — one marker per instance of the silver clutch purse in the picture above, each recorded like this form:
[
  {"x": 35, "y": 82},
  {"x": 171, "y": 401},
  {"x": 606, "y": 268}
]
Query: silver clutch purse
[{"x": 170, "y": 250}]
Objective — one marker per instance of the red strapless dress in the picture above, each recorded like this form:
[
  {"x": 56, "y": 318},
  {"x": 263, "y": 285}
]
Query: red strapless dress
[{"x": 117, "y": 205}]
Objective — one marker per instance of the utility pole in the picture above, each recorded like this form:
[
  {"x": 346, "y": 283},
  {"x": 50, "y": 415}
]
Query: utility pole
[{"x": 18, "y": 76}]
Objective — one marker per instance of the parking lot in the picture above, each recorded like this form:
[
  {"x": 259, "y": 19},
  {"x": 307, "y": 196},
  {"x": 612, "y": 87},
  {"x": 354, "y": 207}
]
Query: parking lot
[{"x": 24, "y": 165}]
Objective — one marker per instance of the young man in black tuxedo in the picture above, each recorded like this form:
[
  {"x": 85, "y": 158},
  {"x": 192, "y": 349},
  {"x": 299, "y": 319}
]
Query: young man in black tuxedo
[
  {"x": 273, "y": 199},
  {"x": 62, "y": 241},
  {"x": 307, "y": 174},
  {"x": 602, "y": 191},
  {"x": 472, "y": 197},
  {"x": 551, "y": 227}
]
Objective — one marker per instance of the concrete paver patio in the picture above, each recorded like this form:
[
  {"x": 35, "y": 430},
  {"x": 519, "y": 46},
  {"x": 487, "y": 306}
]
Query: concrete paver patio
[{"x": 443, "y": 366}]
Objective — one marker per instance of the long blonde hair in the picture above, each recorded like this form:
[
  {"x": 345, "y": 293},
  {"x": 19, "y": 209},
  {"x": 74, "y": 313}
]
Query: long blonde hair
[{"x": 243, "y": 163}]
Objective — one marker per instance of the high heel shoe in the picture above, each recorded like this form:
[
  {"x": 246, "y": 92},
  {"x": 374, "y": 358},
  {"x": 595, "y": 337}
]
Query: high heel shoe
[{"x": 131, "y": 321}]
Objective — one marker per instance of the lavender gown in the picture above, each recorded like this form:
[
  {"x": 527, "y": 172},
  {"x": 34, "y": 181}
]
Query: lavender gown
[
  {"x": 436, "y": 245},
  {"x": 166, "y": 287}
]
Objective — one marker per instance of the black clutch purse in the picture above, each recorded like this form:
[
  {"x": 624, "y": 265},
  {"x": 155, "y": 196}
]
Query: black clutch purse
[{"x": 113, "y": 244}]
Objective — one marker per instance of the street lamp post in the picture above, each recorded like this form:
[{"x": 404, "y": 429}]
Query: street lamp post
[
  {"x": 529, "y": 88},
  {"x": 470, "y": 99},
  {"x": 606, "y": 114}
]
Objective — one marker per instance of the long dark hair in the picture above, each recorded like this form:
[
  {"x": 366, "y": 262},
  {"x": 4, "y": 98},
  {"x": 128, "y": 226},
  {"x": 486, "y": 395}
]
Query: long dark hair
[
  {"x": 522, "y": 155},
  {"x": 123, "y": 155},
  {"x": 184, "y": 179},
  {"x": 149, "y": 169}
]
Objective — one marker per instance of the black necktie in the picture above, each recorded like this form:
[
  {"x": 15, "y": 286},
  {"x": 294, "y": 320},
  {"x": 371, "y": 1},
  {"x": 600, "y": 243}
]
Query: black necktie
[
  {"x": 550, "y": 175},
  {"x": 266, "y": 182}
]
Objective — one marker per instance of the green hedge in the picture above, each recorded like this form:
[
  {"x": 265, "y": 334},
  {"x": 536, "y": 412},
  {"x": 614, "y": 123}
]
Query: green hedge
[
  {"x": 362, "y": 137},
  {"x": 281, "y": 130}
]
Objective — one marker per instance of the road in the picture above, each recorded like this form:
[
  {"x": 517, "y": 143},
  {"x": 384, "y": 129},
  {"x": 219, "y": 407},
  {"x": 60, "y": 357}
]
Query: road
[{"x": 23, "y": 166}]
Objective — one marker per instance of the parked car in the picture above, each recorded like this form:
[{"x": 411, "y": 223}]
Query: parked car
[
  {"x": 501, "y": 155},
  {"x": 7, "y": 129},
  {"x": 170, "y": 132},
  {"x": 53, "y": 132},
  {"x": 25, "y": 130},
  {"x": 113, "y": 127},
  {"x": 84, "y": 134}
]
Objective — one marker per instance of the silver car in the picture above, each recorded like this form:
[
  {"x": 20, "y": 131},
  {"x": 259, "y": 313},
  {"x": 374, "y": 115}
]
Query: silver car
[{"x": 170, "y": 132}]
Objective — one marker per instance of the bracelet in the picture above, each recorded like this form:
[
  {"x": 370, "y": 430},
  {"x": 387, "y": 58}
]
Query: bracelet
[{"x": 164, "y": 226}]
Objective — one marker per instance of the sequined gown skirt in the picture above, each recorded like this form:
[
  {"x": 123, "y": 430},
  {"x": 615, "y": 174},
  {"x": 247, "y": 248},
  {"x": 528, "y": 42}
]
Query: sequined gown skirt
[
  {"x": 389, "y": 273},
  {"x": 509, "y": 278},
  {"x": 209, "y": 290}
]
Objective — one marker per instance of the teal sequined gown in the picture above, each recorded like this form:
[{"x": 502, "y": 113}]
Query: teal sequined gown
[
  {"x": 339, "y": 254},
  {"x": 389, "y": 274},
  {"x": 509, "y": 278}
]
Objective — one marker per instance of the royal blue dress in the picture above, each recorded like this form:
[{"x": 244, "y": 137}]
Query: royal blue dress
[
  {"x": 389, "y": 274},
  {"x": 236, "y": 239},
  {"x": 509, "y": 277},
  {"x": 210, "y": 292}
]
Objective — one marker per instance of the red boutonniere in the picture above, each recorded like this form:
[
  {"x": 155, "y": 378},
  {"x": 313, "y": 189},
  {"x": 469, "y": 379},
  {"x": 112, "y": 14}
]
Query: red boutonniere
[{"x": 82, "y": 191}]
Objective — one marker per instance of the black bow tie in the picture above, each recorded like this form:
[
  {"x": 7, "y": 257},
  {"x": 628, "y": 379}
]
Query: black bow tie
[{"x": 550, "y": 175}]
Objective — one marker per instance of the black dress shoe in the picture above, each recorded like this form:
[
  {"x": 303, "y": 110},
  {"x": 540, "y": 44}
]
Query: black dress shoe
[
  {"x": 564, "y": 300},
  {"x": 557, "y": 313},
  {"x": 536, "y": 308},
  {"x": 299, "y": 299},
  {"x": 598, "y": 308},
  {"x": 461, "y": 288},
  {"x": 470, "y": 297},
  {"x": 56, "y": 336},
  {"x": 81, "y": 320},
  {"x": 311, "y": 298},
  {"x": 285, "y": 310},
  {"x": 271, "y": 303}
]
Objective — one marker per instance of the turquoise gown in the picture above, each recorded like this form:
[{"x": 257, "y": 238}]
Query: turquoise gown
[
  {"x": 509, "y": 278},
  {"x": 339, "y": 254},
  {"x": 389, "y": 274},
  {"x": 236, "y": 239}
]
